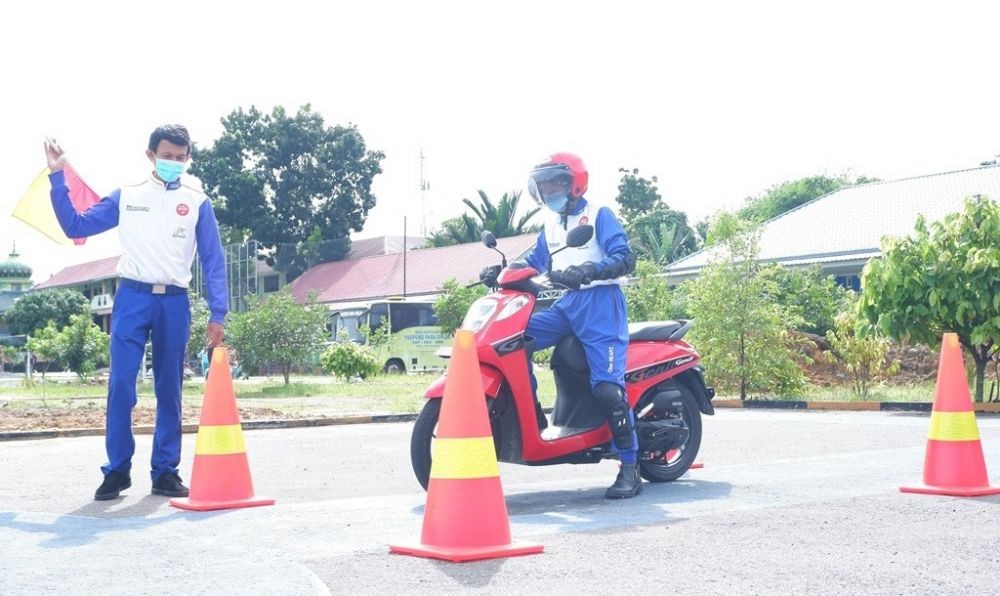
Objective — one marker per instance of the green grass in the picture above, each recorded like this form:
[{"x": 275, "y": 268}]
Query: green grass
[
  {"x": 325, "y": 396},
  {"x": 919, "y": 392}
]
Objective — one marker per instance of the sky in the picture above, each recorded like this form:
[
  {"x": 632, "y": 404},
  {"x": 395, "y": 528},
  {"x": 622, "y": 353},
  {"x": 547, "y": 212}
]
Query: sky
[{"x": 718, "y": 100}]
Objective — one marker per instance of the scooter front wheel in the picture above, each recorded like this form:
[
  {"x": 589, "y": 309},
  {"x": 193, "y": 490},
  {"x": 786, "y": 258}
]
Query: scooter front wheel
[{"x": 421, "y": 440}]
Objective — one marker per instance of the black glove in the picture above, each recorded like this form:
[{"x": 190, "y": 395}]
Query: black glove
[
  {"x": 572, "y": 277},
  {"x": 489, "y": 275}
]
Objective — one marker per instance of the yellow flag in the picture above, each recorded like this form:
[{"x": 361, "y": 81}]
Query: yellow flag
[{"x": 35, "y": 209}]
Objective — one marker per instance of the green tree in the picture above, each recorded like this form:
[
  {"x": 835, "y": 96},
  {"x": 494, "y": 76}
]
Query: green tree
[
  {"x": 636, "y": 195},
  {"x": 812, "y": 296},
  {"x": 741, "y": 330},
  {"x": 500, "y": 218},
  {"x": 453, "y": 303},
  {"x": 943, "y": 278},
  {"x": 649, "y": 297},
  {"x": 34, "y": 310},
  {"x": 277, "y": 330},
  {"x": 656, "y": 232},
  {"x": 788, "y": 195},
  {"x": 7, "y": 355},
  {"x": 280, "y": 178},
  {"x": 860, "y": 350},
  {"x": 82, "y": 346},
  {"x": 199, "y": 326},
  {"x": 662, "y": 235},
  {"x": 44, "y": 346}
]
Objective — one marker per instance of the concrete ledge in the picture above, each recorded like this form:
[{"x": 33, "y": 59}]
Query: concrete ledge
[
  {"x": 854, "y": 406},
  {"x": 754, "y": 404},
  {"x": 844, "y": 406}
]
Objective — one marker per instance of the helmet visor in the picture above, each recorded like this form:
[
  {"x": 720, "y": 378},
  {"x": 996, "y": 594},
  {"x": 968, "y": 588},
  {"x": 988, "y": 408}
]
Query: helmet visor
[{"x": 548, "y": 184}]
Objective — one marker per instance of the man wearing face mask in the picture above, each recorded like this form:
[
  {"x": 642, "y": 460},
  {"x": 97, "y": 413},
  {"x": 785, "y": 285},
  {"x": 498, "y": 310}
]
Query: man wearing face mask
[
  {"x": 594, "y": 308},
  {"x": 161, "y": 222}
]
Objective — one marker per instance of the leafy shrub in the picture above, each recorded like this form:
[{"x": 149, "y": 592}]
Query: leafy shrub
[
  {"x": 860, "y": 350},
  {"x": 347, "y": 360}
]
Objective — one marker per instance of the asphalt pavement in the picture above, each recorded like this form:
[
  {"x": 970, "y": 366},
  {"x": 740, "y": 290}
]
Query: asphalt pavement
[{"x": 788, "y": 503}]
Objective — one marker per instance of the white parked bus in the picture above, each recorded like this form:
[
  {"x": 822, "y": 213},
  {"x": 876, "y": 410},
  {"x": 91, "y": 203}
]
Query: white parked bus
[{"x": 413, "y": 335}]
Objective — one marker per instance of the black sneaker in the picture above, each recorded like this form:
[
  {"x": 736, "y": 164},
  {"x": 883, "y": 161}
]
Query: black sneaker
[
  {"x": 628, "y": 483},
  {"x": 114, "y": 483},
  {"x": 169, "y": 484}
]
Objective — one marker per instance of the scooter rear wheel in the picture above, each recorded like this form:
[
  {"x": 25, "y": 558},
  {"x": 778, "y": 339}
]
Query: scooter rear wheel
[{"x": 676, "y": 462}]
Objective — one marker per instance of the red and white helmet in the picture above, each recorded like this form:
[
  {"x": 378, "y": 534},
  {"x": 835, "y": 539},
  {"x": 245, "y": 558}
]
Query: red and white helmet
[{"x": 558, "y": 181}]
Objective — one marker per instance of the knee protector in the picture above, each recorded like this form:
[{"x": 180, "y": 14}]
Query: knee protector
[{"x": 620, "y": 419}]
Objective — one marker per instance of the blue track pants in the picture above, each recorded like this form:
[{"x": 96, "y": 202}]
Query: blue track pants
[{"x": 137, "y": 315}]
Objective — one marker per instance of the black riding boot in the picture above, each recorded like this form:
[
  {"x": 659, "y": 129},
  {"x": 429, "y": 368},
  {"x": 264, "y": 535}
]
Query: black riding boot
[
  {"x": 543, "y": 422},
  {"x": 627, "y": 484}
]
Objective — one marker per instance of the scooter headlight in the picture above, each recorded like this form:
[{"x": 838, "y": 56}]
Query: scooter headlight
[
  {"x": 480, "y": 312},
  {"x": 512, "y": 307}
]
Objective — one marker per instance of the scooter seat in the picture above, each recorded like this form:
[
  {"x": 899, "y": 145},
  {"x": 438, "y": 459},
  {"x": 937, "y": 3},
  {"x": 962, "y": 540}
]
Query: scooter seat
[{"x": 657, "y": 330}]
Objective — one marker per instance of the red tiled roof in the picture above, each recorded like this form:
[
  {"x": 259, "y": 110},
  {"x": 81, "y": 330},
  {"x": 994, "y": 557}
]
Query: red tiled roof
[
  {"x": 426, "y": 271},
  {"x": 82, "y": 273},
  {"x": 383, "y": 245}
]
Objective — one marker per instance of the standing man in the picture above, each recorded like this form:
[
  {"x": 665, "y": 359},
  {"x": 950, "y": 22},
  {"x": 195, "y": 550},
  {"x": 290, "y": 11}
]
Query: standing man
[
  {"x": 594, "y": 308},
  {"x": 160, "y": 224}
]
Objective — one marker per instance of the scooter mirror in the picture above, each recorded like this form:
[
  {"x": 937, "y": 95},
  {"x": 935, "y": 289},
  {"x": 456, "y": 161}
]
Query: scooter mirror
[
  {"x": 489, "y": 239},
  {"x": 578, "y": 236}
]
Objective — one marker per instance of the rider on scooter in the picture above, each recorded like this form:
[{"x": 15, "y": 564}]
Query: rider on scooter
[{"x": 594, "y": 308}]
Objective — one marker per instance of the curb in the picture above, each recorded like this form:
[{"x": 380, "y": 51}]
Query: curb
[
  {"x": 844, "y": 406},
  {"x": 754, "y": 404}
]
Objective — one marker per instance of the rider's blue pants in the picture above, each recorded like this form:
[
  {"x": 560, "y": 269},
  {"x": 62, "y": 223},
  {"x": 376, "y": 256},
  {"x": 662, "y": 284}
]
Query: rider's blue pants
[{"x": 598, "y": 318}]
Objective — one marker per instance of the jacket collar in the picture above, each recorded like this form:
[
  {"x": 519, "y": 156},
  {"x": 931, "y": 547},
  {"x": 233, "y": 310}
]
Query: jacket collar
[{"x": 168, "y": 185}]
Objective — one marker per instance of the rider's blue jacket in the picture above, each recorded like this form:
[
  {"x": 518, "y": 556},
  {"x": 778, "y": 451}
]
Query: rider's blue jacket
[{"x": 608, "y": 249}]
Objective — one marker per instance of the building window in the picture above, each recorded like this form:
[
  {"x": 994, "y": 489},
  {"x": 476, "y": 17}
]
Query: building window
[
  {"x": 851, "y": 282},
  {"x": 270, "y": 284}
]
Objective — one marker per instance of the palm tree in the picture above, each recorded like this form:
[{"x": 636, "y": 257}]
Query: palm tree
[
  {"x": 662, "y": 236},
  {"x": 499, "y": 219}
]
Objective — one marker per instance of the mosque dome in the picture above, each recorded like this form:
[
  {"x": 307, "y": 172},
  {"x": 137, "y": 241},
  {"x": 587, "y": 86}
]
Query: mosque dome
[{"x": 14, "y": 269}]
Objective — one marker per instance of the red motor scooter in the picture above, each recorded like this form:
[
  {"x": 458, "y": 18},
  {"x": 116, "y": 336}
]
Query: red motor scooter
[{"x": 664, "y": 383}]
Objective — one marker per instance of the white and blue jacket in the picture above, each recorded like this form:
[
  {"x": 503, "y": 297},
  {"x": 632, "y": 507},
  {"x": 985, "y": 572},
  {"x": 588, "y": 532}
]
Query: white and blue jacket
[
  {"x": 608, "y": 249},
  {"x": 160, "y": 225}
]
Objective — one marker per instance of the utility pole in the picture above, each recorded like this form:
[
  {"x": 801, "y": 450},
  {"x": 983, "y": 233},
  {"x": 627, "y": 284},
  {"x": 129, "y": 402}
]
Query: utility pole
[
  {"x": 404, "y": 257},
  {"x": 424, "y": 187}
]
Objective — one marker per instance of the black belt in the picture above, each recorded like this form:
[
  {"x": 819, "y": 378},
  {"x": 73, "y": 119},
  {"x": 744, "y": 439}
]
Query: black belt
[{"x": 153, "y": 288}]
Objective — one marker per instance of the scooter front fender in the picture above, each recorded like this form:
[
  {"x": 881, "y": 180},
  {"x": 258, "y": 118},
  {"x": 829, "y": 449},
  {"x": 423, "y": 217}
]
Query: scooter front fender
[{"x": 491, "y": 377}]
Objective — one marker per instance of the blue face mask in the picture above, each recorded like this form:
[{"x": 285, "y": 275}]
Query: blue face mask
[
  {"x": 169, "y": 170},
  {"x": 557, "y": 202}
]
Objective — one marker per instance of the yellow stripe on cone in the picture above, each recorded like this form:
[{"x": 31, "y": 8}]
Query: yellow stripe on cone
[
  {"x": 464, "y": 458},
  {"x": 953, "y": 426},
  {"x": 219, "y": 440}
]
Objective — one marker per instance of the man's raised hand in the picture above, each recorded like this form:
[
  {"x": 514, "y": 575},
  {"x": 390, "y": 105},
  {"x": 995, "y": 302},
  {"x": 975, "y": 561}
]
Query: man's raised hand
[{"x": 55, "y": 155}]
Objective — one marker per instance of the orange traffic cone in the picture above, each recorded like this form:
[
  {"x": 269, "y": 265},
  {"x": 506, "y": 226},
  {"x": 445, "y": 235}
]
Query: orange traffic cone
[
  {"x": 221, "y": 476},
  {"x": 954, "y": 463},
  {"x": 466, "y": 516}
]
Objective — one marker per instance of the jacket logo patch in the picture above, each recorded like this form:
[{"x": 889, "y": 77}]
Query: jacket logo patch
[
  {"x": 183, "y": 209},
  {"x": 180, "y": 233},
  {"x": 136, "y": 208}
]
